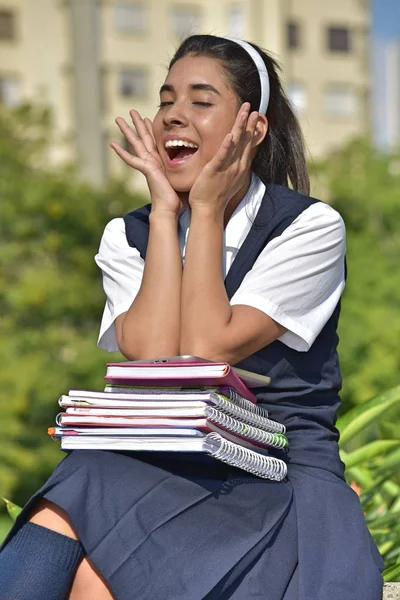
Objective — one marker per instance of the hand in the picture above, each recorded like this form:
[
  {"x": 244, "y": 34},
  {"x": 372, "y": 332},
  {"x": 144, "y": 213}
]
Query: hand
[
  {"x": 226, "y": 173},
  {"x": 145, "y": 158}
]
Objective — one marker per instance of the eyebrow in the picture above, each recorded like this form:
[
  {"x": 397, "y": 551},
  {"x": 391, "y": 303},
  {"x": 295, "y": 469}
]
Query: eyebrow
[{"x": 205, "y": 87}]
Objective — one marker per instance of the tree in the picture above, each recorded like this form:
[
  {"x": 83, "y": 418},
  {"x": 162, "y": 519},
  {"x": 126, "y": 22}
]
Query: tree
[
  {"x": 51, "y": 297},
  {"x": 363, "y": 185}
]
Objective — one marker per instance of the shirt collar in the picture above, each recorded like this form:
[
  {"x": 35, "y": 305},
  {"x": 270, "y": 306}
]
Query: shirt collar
[
  {"x": 245, "y": 213},
  {"x": 248, "y": 206}
]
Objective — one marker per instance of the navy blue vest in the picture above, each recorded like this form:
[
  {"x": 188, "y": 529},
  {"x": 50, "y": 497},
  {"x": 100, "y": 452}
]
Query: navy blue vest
[{"x": 303, "y": 393}]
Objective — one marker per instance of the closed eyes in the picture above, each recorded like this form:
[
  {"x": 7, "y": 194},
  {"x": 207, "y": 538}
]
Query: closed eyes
[{"x": 202, "y": 104}]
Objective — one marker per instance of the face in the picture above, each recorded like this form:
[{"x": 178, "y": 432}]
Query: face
[{"x": 197, "y": 110}]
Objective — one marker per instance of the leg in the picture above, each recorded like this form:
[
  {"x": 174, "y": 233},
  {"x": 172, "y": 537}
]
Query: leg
[
  {"x": 53, "y": 517},
  {"x": 88, "y": 583},
  {"x": 38, "y": 563}
]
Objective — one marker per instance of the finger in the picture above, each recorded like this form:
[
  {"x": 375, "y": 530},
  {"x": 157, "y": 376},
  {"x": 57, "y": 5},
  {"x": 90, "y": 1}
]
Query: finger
[
  {"x": 248, "y": 128},
  {"x": 142, "y": 131},
  {"x": 230, "y": 150},
  {"x": 131, "y": 137},
  {"x": 222, "y": 158},
  {"x": 149, "y": 126},
  {"x": 247, "y": 144},
  {"x": 239, "y": 126},
  {"x": 127, "y": 157}
]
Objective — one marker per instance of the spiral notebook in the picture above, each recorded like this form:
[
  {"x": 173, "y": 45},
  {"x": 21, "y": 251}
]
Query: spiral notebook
[
  {"x": 267, "y": 467},
  {"x": 213, "y": 420},
  {"x": 180, "y": 405},
  {"x": 176, "y": 404},
  {"x": 138, "y": 394}
]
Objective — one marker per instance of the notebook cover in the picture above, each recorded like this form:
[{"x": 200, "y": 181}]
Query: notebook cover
[
  {"x": 228, "y": 378},
  {"x": 204, "y": 425}
]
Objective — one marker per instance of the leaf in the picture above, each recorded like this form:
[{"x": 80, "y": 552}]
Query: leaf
[
  {"x": 392, "y": 573},
  {"x": 12, "y": 509},
  {"x": 361, "y": 475},
  {"x": 385, "y": 548},
  {"x": 360, "y": 417},
  {"x": 384, "y": 520},
  {"x": 390, "y": 463},
  {"x": 369, "y": 451}
]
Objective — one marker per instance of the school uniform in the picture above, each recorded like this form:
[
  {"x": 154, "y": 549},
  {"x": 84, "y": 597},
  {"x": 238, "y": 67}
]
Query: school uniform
[{"x": 181, "y": 527}]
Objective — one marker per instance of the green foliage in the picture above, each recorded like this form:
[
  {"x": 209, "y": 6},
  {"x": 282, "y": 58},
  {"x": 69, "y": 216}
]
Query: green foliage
[
  {"x": 372, "y": 469},
  {"x": 51, "y": 297},
  {"x": 12, "y": 509},
  {"x": 4, "y": 527},
  {"x": 364, "y": 187},
  {"x": 51, "y": 302}
]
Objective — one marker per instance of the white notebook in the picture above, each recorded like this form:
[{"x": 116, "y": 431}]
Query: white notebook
[
  {"x": 267, "y": 467},
  {"x": 180, "y": 404},
  {"x": 213, "y": 421}
]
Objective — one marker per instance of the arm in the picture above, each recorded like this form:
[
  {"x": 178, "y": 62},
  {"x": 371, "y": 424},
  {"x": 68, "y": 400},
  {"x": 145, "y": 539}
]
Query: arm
[
  {"x": 308, "y": 258},
  {"x": 296, "y": 281},
  {"x": 210, "y": 326},
  {"x": 151, "y": 326}
]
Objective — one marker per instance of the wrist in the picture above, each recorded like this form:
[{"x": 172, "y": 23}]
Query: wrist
[
  {"x": 163, "y": 215},
  {"x": 208, "y": 211}
]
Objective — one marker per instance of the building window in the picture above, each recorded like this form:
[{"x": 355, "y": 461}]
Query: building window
[
  {"x": 236, "y": 19},
  {"x": 185, "y": 20},
  {"x": 7, "y": 25},
  {"x": 133, "y": 82},
  {"x": 9, "y": 91},
  {"x": 340, "y": 100},
  {"x": 130, "y": 17},
  {"x": 293, "y": 35},
  {"x": 298, "y": 96},
  {"x": 338, "y": 39}
]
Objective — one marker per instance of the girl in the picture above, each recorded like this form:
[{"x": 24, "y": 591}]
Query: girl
[{"x": 230, "y": 264}]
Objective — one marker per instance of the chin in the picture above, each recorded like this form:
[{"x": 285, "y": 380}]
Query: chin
[{"x": 180, "y": 183}]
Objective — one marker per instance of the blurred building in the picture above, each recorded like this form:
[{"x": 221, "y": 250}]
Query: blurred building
[
  {"x": 93, "y": 60},
  {"x": 387, "y": 95}
]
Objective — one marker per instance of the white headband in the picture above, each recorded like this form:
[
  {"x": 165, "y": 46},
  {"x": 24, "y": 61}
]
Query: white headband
[{"x": 262, "y": 71}]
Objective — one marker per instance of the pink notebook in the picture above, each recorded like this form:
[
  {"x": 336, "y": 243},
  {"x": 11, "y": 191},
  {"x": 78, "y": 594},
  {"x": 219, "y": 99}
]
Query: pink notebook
[{"x": 185, "y": 372}]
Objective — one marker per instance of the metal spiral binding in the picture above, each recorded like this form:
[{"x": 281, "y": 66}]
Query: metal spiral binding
[
  {"x": 276, "y": 440},
  {"x": 243, "y": 402},
  {"x": 242, "y": 414},
  {"x": 266, "y": 467}
]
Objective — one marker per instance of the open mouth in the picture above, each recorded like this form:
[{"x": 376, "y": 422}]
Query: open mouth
[{"x": 179, "y": 151}]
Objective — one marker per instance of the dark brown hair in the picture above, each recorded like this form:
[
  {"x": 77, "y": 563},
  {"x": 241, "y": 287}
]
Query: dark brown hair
[{"x": 281, "y": 156}]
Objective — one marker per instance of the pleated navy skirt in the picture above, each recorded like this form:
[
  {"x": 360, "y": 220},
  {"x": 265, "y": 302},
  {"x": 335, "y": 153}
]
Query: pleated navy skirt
[{"x": 161, "y": 528}]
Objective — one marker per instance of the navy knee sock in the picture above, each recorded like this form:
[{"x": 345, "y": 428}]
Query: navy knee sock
[{"x": 38, "y": 564}]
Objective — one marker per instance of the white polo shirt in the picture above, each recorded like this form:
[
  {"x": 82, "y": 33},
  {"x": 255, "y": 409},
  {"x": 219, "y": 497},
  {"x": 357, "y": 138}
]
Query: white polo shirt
[{"x": 297, "y": 279}]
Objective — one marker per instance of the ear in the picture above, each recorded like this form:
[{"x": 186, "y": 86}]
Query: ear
[{"x": 260, "y": 131}]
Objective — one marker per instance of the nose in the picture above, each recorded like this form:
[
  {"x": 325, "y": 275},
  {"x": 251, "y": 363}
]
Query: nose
[{"x": 175, "y": 116}]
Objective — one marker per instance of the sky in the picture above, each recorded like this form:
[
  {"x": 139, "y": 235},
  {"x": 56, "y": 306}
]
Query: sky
[
  {"x": 385, "y": 29},
  {"x": 386, "y": 19}
]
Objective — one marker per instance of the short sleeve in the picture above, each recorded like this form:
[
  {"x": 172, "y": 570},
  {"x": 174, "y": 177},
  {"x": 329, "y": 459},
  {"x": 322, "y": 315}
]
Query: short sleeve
[
  {"x": 122, "y": 271},
  {"x": 299, "y": 277}
]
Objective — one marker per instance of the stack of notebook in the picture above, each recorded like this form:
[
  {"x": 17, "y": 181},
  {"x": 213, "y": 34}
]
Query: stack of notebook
[{"x": 180, "y": 404}]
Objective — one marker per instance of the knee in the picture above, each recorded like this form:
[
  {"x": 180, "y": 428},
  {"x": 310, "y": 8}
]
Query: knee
[{"x": 47, "y": 514}]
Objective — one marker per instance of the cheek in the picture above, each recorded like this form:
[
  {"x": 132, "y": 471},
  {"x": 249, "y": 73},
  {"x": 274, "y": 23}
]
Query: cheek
[
  {"x": 158, "y": 126},
  {"x": 212, "y": 143},
  {"x": 217, "y": 129}
]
